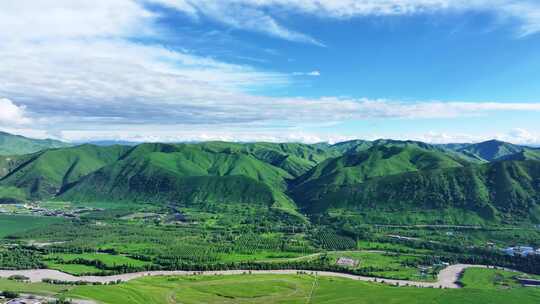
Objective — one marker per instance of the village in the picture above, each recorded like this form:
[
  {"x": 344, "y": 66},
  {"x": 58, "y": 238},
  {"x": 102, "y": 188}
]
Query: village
[{"x": 37, "y": 209}]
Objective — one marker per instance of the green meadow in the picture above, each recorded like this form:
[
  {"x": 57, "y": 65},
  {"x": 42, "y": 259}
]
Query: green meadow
[
  {"x": 10, "y": 224},
  {"x": 481, "y": 286}
]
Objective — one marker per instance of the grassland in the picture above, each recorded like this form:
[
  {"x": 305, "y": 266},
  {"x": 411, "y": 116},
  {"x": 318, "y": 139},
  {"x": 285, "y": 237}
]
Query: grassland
[
  {"x": 33, "y": 288},
  {"x": 10, "y": 224},
  {"x": 290, "y": 289},
  {"x": 91, "y": 263},
  {"x": 386, "y": 265},
  {"x": 74, "y": 269}
]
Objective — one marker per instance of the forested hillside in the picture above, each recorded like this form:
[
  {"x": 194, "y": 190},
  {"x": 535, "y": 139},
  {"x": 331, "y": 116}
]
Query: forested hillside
[
  {"x": 358, "y": 176},
  {"x": 496, "y": 191}
]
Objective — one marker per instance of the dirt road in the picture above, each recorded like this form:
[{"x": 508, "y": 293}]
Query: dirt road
[{"x": 447, "y": 278}]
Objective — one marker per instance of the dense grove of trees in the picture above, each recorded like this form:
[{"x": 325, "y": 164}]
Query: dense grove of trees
[{"x": 19, "y": 258}]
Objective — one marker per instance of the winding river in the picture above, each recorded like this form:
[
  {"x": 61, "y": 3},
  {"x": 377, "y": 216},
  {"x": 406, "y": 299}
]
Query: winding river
[{"x": 447, "y": 277}]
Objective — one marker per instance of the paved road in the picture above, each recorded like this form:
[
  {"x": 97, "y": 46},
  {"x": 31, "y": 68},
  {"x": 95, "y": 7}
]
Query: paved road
[{"x": 447, "y": 277}]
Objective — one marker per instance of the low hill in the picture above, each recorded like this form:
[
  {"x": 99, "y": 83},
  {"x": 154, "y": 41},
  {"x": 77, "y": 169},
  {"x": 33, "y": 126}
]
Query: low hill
[{"x": 16, "y": 145}]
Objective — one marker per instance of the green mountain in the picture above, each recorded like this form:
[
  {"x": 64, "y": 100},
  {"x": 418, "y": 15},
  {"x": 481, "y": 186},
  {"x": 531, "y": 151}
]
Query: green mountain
[
  {"x": 351, "y": 145},
  {"x": 44, "y": 174},
  {"x": 9, "y": 163},
  {"x": 17, "y": 145},
  {"x": 492, "y": 150},
  {"x": 382, "y": 177},
  {"x": 186, "y": 175},
  {"x": 294, "y": 158},
  {"x": 354, "y": 168},
  {"x": 506, "y": 190},
  {"x": 454, "y": 146},
  {"x": 361, "y": 145},
  {"x": 526, "y": 154}
]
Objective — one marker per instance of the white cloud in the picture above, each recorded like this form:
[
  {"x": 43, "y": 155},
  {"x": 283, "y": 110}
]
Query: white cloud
[
  {"x": 235, "y": 134},
  {"x": 240, "y": 15},
  {"x": 203, "y": 133},
  {"x": 312, "y": 73},
  {"x": 61, "y": 19},
  {"x": 11, "y": 114},
  {"x": 516, "y": 136},
  {"x": 72, "y": 65},
  {"x": 260, "y": 15},
  {"x": 521, "y": 136}
]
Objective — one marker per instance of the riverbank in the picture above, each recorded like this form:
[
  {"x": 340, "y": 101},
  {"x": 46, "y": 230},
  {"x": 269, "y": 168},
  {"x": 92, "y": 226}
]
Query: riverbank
[{"x": 447, "y": 277}]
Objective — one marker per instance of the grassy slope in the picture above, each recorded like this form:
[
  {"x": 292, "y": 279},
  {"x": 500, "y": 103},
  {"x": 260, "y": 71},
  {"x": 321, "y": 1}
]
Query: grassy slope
[
  {"x": 293, "y": 289},
  {"x": 377, "y": 161},
  {"x": 294, "y": 158},
  {"x": 187, "y": 175},
  {"x": 527, "y": 154},
  {"x": 16, "y": 145},
  {"x": 45, "y": 173},
  {"x": 379, "y": 175},
  {"x": 354, "y": 168},
  {"x": 8, "y": 163},
  {"x": 361, "y": 145},
  {"x": 496, "y": 190},
  {"x": 492, "y": 150}
]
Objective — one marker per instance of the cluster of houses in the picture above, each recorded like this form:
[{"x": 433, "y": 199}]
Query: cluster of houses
[
  {"x": 35, "y": 209},
  {"x": 348, "y": 262},
  {"x": 26, "y": 301},
  {"x": 521, "y": 251},
  {"x": 22, "y": 300}
]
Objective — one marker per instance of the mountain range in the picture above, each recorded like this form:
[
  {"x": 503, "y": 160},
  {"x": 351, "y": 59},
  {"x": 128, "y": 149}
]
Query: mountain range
[
  {"x": 491, "y": 181},
  {"x": 16, "y": 145}
]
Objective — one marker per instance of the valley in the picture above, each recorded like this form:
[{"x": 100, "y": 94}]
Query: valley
[{"x": 398, "y": 211}]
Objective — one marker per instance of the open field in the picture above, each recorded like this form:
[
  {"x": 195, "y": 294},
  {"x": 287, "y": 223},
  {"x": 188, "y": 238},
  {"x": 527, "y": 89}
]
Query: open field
[
  {"x": 108, "y": 260},
  {"x": 272, "y": 288},
  {"x": 10, "y": 224}
]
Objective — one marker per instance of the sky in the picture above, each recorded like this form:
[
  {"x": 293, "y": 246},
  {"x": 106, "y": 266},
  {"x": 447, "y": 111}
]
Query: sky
[{"x": 271, "y": 70}]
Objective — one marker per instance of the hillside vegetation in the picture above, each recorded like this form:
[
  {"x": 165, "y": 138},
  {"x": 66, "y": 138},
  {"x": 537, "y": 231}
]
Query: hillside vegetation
[
  {"x": 496, "y": 150},
  {"x": 45, "y": 174},
  {"x": 493, "y": 180},
  {"x": 17, "y": 145},
  {"x": 495, "y": 191}
]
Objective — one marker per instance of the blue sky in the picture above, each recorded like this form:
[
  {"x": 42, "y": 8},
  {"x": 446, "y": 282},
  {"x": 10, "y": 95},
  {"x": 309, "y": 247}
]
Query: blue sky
[{"x": 272, "y": 70}]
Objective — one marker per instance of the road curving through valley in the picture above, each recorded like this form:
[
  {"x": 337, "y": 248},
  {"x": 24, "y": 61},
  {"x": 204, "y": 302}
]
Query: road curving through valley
[{"x": 447, "y": 278}]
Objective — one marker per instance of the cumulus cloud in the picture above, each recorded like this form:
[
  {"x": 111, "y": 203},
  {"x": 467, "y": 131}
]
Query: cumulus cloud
[
  {"x": 521, "y": 136},
  {"x": 75, "y": 65},
  {"x": 64, "y": 19},
  {"x": 12, "y": 114},
  {"x": 517, "y": 136}
]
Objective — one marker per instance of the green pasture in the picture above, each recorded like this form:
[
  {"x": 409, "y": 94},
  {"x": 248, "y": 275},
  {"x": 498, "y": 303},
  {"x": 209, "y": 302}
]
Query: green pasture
[{"x": 289, "y": 289}]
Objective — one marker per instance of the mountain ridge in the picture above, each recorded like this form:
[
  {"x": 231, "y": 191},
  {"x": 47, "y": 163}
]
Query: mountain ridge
[{"x": 295, "y": 178}]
